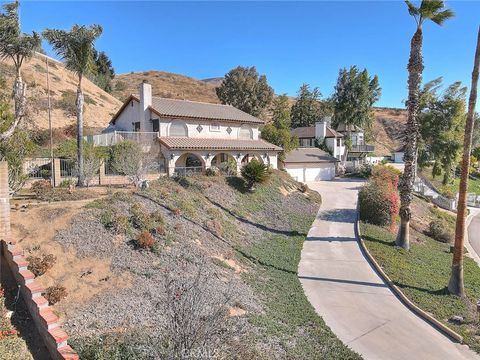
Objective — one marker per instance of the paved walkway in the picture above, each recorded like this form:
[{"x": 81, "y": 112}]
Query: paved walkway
[{"x": 352, "y": 299}]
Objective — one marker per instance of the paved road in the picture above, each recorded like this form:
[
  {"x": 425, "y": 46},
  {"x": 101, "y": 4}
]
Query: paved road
[
  {"x": 352, "y": 298},
  {"x": 474, "y": 232}
]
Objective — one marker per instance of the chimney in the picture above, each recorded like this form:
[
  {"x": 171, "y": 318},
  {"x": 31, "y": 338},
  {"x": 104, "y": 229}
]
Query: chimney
[
  {"x": 321, "y": 129},
  {"x": 145, "y": 91}
]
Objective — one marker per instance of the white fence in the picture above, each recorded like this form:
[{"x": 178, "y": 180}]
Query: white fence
[
  {"x": 113, "y": 138},
  {"x": 421, "y": 187}
]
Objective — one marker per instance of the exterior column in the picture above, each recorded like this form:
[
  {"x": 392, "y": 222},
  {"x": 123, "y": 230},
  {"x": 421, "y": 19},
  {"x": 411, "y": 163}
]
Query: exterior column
[
  {"x": 101, "y": 173},
  {"x": 5, "y": 233},
  {"x": 57, "y": 175}
]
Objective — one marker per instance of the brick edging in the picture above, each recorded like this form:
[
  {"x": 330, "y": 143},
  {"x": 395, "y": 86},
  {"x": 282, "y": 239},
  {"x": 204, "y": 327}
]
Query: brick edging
[
  {"x": 46, "y": 321},
  {"x": 400, "y": 295}
]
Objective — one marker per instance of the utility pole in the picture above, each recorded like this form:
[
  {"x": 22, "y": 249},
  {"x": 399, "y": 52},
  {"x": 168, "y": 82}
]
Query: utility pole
[{"x": 52, "y": 166}]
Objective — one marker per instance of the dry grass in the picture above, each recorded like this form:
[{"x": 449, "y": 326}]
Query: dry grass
[
  {"x": 99, "y": 105},
  {"x": 167, "y": 85}
]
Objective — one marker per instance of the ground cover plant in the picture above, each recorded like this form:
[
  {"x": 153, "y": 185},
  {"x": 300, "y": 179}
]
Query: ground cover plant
[
  {"x": 422, "y": 273},
  {"x": 246, "y": 244}
]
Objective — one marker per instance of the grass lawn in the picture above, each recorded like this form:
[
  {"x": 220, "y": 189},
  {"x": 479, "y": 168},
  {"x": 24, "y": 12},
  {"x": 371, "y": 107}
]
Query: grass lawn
[
  {"x": 452, "y": 188},
  {"x": 423, "y": 274}
]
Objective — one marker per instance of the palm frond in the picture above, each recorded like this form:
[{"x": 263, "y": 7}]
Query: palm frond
[
  {"x": 440, "y": 18},
  {"x": 75, "y": 47},
  {"x": 412, "y": 9}
]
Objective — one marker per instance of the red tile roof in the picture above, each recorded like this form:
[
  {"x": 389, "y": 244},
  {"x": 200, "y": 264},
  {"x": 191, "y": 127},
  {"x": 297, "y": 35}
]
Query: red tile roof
[{"x": 188, "y": 143}]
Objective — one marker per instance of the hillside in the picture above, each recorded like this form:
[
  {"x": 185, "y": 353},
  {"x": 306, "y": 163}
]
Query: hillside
[
  {"x": 387, "y": 129},
  {"x": 212, "y": 240},
  {"x": 99, "y": 105},
  {"x": 164, "y": 84}
]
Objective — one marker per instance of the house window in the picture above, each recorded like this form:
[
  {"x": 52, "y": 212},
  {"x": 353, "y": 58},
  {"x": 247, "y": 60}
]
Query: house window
[
  {"x": 339, "y": 142},
  {"x": 215, "y": 127},
  {"x": 136, "y": 126},
  {"x": 245, "y": 132},
  {"x": 178, "y": 129},
  {"x": 155, "y": 125},
  {"x": 307, "y": 142}
]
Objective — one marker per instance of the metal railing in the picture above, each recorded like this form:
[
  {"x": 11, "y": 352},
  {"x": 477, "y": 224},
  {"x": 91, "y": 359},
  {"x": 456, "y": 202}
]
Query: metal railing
[
  {"x": 39, "y": 168},
  {"x": 362, "y": 148},
  {"x": 188, "y": 171},
  {"x": 67, "y": 168},
  {"x": 113, "y": 138}
]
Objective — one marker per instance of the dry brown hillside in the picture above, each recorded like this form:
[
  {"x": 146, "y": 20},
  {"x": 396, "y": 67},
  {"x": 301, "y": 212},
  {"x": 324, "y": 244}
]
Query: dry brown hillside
[
  {"x": 387, "y": 129},
  {"x": 99, "y": 105},
  {"x": 164, "y": 84}
]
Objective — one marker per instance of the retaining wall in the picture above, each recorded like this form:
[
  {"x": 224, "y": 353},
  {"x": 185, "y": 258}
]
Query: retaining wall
[{"x": 46, "y": 321}]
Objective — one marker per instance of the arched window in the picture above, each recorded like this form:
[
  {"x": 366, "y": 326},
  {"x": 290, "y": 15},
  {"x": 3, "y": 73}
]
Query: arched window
[
  {"x": 245, "y": 132},
  {"x": 178, "y": 128}
]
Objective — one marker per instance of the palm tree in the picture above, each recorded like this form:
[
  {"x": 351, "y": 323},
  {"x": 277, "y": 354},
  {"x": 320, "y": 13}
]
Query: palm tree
[
  {"x": 455, "y": 285},
  {"x": 18, "y": 47},
  {"x": 435, "y": 11},
  {"x": 76, "y": 47}
]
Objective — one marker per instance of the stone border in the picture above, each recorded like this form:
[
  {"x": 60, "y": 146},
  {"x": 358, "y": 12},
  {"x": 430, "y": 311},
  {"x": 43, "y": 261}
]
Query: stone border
[
  {"x": 400, "y": 295},
  {"x": 46, "y": 321}
]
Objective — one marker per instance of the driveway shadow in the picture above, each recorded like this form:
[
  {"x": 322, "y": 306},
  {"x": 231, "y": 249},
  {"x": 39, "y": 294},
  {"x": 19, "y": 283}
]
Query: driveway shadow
[
  {"x": 331, "y": 238},
  {"x": 339, "y": 215},
  {"x": 342, "y": 281}
]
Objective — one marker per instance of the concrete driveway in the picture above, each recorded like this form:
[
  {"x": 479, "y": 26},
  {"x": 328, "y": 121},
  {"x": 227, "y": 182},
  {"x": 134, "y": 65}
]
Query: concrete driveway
[{"x": 352, "y": 299}]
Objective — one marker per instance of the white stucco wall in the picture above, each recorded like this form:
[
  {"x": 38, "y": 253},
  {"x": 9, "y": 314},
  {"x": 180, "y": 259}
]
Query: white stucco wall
[
  {"x": 127, "y": 116},
  {"x": 131, "y": 114}
]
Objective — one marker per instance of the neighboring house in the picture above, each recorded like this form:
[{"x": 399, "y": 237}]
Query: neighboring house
[
  {"x": 334, "y": 139},
  {"x": 192, "y": 136},
  {"x": 310, "y": 164}
]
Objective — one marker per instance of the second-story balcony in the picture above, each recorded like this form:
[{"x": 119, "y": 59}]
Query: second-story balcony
[
  {"x": 362, "y": 148},
  {"x": 114, "y": 137}
]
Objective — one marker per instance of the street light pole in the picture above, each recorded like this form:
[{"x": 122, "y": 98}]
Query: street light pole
[{"x": 52, "y": 166}]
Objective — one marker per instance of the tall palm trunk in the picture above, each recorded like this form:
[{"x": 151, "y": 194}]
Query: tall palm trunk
[
  {"x": 405, "y": 186},
  {"x": 80, "y": 163},
  {"x": 19, "y": 95},
  {"x": 455, "y": 285}
]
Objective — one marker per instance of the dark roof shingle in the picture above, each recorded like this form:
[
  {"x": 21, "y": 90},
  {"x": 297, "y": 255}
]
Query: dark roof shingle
[
  {"x": 200, "y": 110},
  {"x": 308, "y": 155}
]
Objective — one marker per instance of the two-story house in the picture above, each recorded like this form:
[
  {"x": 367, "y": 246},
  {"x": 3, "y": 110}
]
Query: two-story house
[
  {"x": 193, "y": 136},
  {"x": 334, "y": 140}
]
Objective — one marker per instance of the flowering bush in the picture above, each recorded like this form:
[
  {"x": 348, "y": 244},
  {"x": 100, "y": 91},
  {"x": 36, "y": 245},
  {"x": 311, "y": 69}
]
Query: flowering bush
[
  {"x": 379, "y": 200},
  {"x": 145, "y": 240}
]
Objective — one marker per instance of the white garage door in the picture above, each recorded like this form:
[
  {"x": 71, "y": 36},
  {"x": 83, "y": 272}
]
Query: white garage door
[{"x": 322, "y": 172}]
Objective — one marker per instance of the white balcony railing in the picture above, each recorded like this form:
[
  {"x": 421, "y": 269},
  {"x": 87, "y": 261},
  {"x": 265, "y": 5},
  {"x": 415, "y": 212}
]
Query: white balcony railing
[{"x": 112, "y": 138}]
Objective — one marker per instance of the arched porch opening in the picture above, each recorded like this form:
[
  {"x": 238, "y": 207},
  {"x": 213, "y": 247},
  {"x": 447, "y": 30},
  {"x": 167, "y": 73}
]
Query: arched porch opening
[
  {"x": 189, "y": 164},
  {"x": 226, "y": 163}
]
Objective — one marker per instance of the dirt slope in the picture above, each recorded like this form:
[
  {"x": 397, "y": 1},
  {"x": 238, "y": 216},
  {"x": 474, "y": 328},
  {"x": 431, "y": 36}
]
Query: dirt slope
[
  {"x": 167, "y": 85},
  {"x": 388, "y": 129},
  {"x": 99, "y": 105}
]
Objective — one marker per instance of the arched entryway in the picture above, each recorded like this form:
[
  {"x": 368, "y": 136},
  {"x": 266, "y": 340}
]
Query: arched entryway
[
  {"x": 226, "y": 163},
  {"x": 189, "y": 164},
  {"x": 263, "y": 158}
]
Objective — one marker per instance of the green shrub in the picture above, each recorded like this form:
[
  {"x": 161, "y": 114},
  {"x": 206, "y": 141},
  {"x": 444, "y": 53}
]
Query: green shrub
[
  {"x": 139, "y": 218},
  {"x": 67, "y": 183},
  {"x": 255, "y": 172},
  {"x": 108, "y": 218},
  {"x": 437, "y": 230},
  {"x": 378, "y": 200},
  {"x": 210, "y": 172}
]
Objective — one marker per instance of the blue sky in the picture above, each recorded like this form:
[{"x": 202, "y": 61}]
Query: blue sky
[{"x": 291, "y": 42}]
